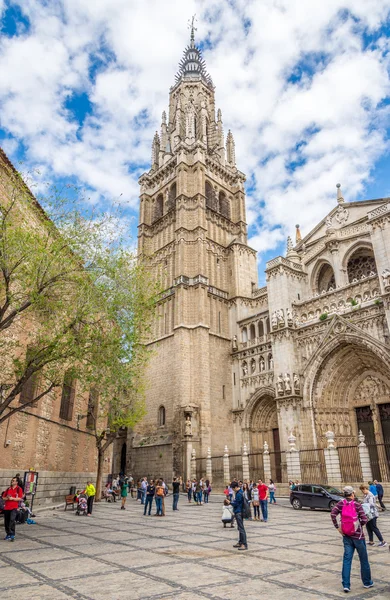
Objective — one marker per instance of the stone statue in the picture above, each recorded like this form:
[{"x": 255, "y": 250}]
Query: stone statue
[
  {"x": 274, "y": 320},
  {"x": 262, "y": 364},
  {"x": 280, "y": 385},
  {"x": 289, "y": 315},
  {"x": 234, "y": 343},
  {"x": 280, "y": 315},
  {"x": 271, "y": 363},
  {"x": 297, "y": 382},
  {"x": 287, "y": 382},
  {"x": 328, "y": 221},
  {"x": 386, "y": 277},
  {"x": 253, "y": 365},
  {"x": 245, "y": 369},
  {"x": 188, "y": 428}
]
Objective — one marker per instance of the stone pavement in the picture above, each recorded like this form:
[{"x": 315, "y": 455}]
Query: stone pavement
[{"x": 187, "y": 555}]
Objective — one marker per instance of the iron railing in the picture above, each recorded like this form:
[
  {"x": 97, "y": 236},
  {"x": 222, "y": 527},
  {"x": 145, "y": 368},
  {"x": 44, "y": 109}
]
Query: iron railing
[{"x": 313, "y": 467}]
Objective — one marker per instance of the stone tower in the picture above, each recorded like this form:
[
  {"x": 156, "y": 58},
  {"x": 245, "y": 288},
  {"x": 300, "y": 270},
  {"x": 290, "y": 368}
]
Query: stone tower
[{"x": 192, "y": 226}]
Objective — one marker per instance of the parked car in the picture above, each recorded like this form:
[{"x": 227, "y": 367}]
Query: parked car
[{"x": 314, "y": 496}]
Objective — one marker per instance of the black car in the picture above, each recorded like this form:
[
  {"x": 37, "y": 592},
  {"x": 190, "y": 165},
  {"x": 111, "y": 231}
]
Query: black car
[{"x": 314, "y": 496}]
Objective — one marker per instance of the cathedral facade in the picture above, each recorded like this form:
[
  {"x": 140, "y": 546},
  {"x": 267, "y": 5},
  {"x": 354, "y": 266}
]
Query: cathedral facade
[{"x": 232, "y": 363}]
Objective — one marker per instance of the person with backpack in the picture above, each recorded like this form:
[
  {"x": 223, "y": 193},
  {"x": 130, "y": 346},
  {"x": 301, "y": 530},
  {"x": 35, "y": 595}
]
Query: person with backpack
[
  {"x": 159, "y": 496},
  {"x": 239, "y": 508},
  {"x": 12, "y": 497},
  {"x": 352, "y": 519},
  {"x": 371, "y": 511}
]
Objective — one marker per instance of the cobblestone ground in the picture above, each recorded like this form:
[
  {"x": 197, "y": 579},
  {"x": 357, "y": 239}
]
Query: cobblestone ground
[{"x": 186, "y": 555}]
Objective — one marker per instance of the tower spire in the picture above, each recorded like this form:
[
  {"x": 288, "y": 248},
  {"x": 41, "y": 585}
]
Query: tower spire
[{"x": 191, "y": 25}]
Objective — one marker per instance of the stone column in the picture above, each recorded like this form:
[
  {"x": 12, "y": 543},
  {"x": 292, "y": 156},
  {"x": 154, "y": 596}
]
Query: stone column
[
  {"x": 245, "y": 463},
  {"x": 187, "y": 456},
  {"x": 293, "y": 460},
  {"x": 226, "y": 466},
  {"x": 209, "y": 467},
  {"x": 364, "y": 459},
  {"x": 332, "y": 460},
  {"x": 266, "y": 463},
  {"x": 193, "y": 464}
]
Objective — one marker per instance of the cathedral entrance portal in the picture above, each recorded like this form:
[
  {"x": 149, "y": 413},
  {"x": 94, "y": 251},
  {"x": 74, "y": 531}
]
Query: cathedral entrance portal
[
  {"x": 351, "y": 393},
  {"x": 264, "y": 428}
]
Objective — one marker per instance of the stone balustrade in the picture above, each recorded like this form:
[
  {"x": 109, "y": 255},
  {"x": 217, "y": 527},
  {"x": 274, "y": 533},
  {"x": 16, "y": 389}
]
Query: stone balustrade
[{"x": 339, "y": 301}]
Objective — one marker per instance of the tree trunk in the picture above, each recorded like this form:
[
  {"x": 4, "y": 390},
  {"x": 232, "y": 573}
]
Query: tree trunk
[{"x": 99, "y": 474}]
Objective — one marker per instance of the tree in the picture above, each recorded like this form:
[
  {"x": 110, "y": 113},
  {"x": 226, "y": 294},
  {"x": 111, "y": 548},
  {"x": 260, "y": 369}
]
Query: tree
[{"x": 74, "y": 296}]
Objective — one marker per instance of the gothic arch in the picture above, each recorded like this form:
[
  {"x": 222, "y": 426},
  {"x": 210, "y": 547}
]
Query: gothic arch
[
  {"x": 338, "y": 381},
  {"x": 263, "y": 395},
  {"x": 359, "y": 261},
  {"x": 358, "y": 245},
  {"x": 323, "y": 276}
]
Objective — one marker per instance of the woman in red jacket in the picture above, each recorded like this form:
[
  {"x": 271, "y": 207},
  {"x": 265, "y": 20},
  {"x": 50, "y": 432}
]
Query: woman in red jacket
[{"x": 12, "y": 496}]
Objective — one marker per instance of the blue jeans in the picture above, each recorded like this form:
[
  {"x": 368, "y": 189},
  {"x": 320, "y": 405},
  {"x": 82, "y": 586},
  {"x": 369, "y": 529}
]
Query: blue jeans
[
  {"x": 159, "y": 505},
  {"x": 350, "y": 545},
  {"x": 264, "y": 509},
  {"x": 148, "y": 503},
  {"x": 143, "y": 496},
  {"x": 205, "y": 497},
  {"x": 272, "y": 497},
  {"x": 175, "y": 501}
]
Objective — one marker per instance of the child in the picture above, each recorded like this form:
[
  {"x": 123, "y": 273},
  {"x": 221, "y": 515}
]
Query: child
[{"x": 227, "y": 513}]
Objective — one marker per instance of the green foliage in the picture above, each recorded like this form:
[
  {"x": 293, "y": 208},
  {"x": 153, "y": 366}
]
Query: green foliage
[
  {"x": 73, "y": 292},
  {"x": 354, "y": 302},
  {"x": 378, "y": 301},
  {"x": 323, "y": 317}
]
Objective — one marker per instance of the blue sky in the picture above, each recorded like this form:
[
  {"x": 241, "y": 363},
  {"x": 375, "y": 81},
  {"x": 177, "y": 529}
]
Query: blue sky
[{"x": 303, "y": 85}]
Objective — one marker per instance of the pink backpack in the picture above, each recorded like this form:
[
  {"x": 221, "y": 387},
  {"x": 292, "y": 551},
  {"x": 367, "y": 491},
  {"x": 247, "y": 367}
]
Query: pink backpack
[{"x": 349, "y": 518}]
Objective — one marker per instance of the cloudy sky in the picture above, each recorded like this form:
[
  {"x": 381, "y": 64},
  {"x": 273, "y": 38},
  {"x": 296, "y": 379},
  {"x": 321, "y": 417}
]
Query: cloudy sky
[{"x": 303, "y": 85}]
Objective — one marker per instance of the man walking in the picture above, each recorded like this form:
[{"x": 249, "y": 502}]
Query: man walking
[
  {"x": 90, "y": 492},
  {"x": 150, "y": 490},
  {"x": 352, "y": 519},
  {"x": 238, "y": 507},
  {"x": 379, "y": 491},
  {"x": 176, "y": 492},
  {"x": 263, "y": 497}
]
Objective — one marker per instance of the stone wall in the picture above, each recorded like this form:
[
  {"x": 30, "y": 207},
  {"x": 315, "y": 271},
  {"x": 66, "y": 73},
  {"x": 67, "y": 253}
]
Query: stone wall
[
  {"x": 152, "y": 462},
  {"x": 52, "y": 486}
]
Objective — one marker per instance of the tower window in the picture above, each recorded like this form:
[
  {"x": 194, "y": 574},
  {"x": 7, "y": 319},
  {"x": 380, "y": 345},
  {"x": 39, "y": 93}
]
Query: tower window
[
  {"x": 223, "y": 392},
  {"x": 219, "y": 322},
  {"x": 161, "y": 416},
  {"x": 158, "y": 207},
  {"x": 67, "y": 398},
  {"x": 224, "y": 205}
]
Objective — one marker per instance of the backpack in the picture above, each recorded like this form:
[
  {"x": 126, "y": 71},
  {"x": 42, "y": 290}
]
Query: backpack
[
  {"x": 349, "y": 518},
  {"x": 246, "y": 509},
  {"x": 160, "y": 491}
]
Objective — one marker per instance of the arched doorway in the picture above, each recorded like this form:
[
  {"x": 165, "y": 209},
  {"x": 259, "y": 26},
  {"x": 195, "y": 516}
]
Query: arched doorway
[
  {"x": 351, "y": 393},
  {"x": 262, "y": 422}
]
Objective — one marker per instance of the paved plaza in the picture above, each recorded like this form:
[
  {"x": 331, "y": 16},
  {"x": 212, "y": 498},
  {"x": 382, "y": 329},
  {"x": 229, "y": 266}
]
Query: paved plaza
[{"x": 186, "y": 555}]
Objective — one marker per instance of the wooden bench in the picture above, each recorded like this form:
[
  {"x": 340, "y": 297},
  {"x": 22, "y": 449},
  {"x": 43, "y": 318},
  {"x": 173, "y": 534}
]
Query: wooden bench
[{"x": 69, "y": 501}]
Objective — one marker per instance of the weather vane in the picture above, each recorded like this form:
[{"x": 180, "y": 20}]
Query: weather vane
[{"x": 191, "y": 25}]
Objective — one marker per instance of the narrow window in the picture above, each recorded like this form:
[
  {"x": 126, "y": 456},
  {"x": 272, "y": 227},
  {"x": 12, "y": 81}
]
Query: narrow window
[
  {"x": 67, "y": 398},
  {"x": 219, "y": 322},
  {"x": 234, "y": 379},
  {"x": 161, "y": 416},
  {"x": 223, "y": 392}
]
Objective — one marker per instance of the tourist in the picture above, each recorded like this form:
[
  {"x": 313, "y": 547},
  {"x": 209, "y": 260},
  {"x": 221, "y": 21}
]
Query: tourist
[
  {"x": 144, "y": 485},
  {"x": 176, "y": 492},
  {"x": 227, "y": 514},
  {"x": 248, "y": 497},
  {"x": 238, "y": 506},
  {"x": 150, "y": 491},
  {"x": 124, "y": 492},
  {"x": 372, "y": 489},
  {"x": 90, "y": 492},
  {"x": 379, "y": 491},
  {"x": 272, "y": 490},
  {"x": 12, "y": 496},
  {"x": 189, "y": 490},
  {"x": 139, "y": 491},
  {"x": 198, "y": 492},
  {"x": 256, "y": 503},
  {"x": 352, "y": 518},
  {"x": 206, "y": 491},
  {"x": 372, "y": 515},
  {"x": 159, "y": 497},
  {"x": 263, "y": 498}
]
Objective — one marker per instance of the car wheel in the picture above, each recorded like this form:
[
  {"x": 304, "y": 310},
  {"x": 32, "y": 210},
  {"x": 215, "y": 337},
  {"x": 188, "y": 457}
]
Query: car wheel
[
  {"x": 297, "y": 504},
  {"x": 312, "y": 508},
  {"x": 332, "y": 504}
]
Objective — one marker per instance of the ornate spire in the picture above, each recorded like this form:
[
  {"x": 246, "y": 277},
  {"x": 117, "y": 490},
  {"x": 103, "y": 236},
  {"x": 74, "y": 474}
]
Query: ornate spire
[
  {"x": 289, "y": 244},
  {"x": 340, "y": 198},
  {"x": 155, "y": 151},
  {"x": 230, "y": 150},
  {"x": 192, "y": 66},
  {"x": 298, "y": 236}
]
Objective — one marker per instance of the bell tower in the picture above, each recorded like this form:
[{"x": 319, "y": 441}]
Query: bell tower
[{"x": 192, "y": 227}]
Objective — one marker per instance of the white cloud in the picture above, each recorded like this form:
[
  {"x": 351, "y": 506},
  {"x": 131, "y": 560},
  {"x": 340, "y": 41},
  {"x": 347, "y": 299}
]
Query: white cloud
[{"x": 325, "y": 121}]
